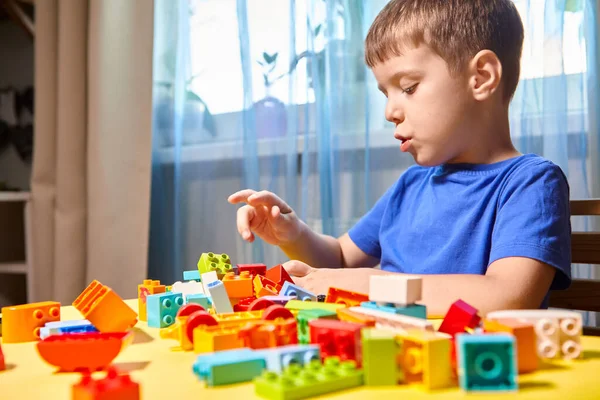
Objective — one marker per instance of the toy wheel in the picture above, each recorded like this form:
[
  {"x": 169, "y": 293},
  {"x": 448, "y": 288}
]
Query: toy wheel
[
  {"x": 195, "y": 320},
  {"x": 189, "y": 309},
  {"x": 277, "y": 311},
  {"x": 260, "y": 304}
]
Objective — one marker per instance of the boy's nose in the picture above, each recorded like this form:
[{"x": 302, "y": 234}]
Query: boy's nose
[{"x": 394, "y": 113}]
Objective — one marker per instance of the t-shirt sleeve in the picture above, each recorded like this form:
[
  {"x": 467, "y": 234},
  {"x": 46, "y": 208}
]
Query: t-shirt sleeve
[
  {"x": 365, "y": 234},
  {"x": 533, "y": 220}
]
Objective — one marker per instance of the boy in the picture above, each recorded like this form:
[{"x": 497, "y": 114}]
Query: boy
[{"x": 474, "y": 218}]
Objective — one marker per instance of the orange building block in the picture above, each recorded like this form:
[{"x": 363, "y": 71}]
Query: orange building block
[
  {"x": 341, "y": 296},
  {"x": 146, "y": 289},
  {"x": 266, "y": 334},
  {"x": 101, "y": 306},
  {"x": 265, "y": 287},
  {"x": 22, "y": 323},
  {"x": 238, "y": 286},
  {"x": 524, "y": 333},
  {"x": 279, "y": 275}
]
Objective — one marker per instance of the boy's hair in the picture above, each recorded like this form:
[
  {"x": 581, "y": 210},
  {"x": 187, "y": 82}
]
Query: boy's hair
[{"x": 455, "y": 29}]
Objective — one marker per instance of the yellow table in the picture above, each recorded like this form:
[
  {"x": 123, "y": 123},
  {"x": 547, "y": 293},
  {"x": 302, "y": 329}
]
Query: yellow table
[{"x": 165, "y": 374}]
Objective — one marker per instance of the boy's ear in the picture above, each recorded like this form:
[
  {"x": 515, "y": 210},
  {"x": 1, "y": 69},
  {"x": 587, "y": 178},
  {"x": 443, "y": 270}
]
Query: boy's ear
[{"x": 486, "y": 74}]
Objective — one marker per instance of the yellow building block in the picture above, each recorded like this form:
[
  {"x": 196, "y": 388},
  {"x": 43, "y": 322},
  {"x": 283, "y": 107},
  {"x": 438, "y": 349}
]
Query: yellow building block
[
  {"x": 208, "y": 339},
  {"x": 22, "y": 323},
  {"x": 425, "y": 359},
  {"x": 524, "y": 333},
  {"x": 177, "y": 331},
  {"x": 149, "y": 287}
]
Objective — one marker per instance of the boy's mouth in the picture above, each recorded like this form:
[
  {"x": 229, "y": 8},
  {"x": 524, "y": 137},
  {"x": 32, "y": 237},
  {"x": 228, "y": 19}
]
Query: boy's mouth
[{"x": 405, "y": 145}]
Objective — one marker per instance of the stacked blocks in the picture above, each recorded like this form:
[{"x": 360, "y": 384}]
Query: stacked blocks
[
  {"x": 162, "y": 309},
  {"x": 396, "y": 294},
  {"x": 23, "y": 323}
]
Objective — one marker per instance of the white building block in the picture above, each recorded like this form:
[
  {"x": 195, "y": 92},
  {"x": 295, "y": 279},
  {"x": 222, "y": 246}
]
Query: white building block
[
  {"x": 400, "y": 290},
  {"x": 220, "y": 300},
  {"x": 558, "y": 331},
  {"x": 208, "y": 277},
  {"x": 187, "y": 288}
]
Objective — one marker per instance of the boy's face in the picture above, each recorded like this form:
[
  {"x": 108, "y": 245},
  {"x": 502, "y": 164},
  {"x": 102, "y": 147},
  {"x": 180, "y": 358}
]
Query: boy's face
[{"x": 431, "y": 109}]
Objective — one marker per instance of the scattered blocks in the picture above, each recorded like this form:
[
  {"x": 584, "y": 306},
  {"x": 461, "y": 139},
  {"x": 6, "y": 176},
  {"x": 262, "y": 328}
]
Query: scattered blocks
[
  {"x": 314, "y": 379},
  {"x": 192, "y": 275},
  {"x": 524, "y": 333},
  {"x": 393, "y": 321},
  {"x": 279, "y": 275},
  {"x": 289, "y": 289},
  {"x": 379, "y": 352},
  {"x": 487, "y": 363},
  {"x": 337, "y": 338},
  {"x": 220, "y": 300},
  {"x": 345, "y": 297},
  {"x": 265, "y": 287},
  {"x": 147, "y": 288},
  {"x": 208, "y": 339},
  {"x": 114, "y": 386},
  {"x": 305, "y": 316},
  {"x": 459, "y": 317},
  {"x": 162, "y": 309},
  {"x": 219, "y": 263},
  {"x": 401, "y": 290},
  {"x": 101, "y": 306},
  {"x": 412, "y": 310},
  {"x": 228, "y": 367},
  {"x": 23, "y": 323}
]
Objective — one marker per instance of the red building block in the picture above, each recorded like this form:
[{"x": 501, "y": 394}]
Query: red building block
[
  {"x": 337, "y": 338},
  {"x": 254, "y": 269},
  {"x": 459, "y": 317},
  {"x": 279, "y": 275},
  {"x": 114, "y": 386},
  {"x": 2, "y": 364}
]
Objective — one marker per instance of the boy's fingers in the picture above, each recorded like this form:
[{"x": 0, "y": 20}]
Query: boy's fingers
[
  {"x": 269, "y": 199},
  {"x": 244, "y": 216},
  {"x": 297, "y": 268},
  {"x": 241, "y": 196}
]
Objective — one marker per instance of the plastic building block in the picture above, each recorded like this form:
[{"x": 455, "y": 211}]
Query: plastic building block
[
  {"x": 83, "y": 351},
  {"x": 379, "y": 352},
  {"x": 487, "y": 363},
  {"x": 265, "y": 287},
  {"x": 177, "y": 331},
  {"x": 228, "y": 367},
  {"x": 192, "y": 275},
  {"x": 162, "y": 309},
  {"x": 207, "y": 278},
  {"x": 413, "y": 310},
  {"x": 202, "y": 299},
  {"x": 146, "y": 289},
  {"x": 314, "y": 379},
  {"x": 186, "y": 289},
  {"x": 22, "y": 323},
  {"x": 337, "y": 338},
  {"x": 345, "y": 314},
  {"x": 401, "y": 290},
  {"x": 265, "y": 334},
  {"x": 393, "y": 321},
  {"x": 345, "y": 297},
  {"x": 459, "y": 317},
  {"x": 208, "y": 339},
  {"x": 279, "y": 275},
  {"x": 101, "y": 306},
  {"x": 181, "y": 329},
  {"x": 312, "y": 305},
  {"x": 253, "y": 269},
  {"x": 2, "y": 363},
  {"x": 282, "y": 300},
  {"x": 305, "y": 316},
  {"x": 524, "y": 333},
  {"x": 219, "y": 263},
  {"x": 425, "y": 359},
  {"x": 115, "y": 386},
  {"x": 220, "y": 300},
  {"x": 280, "y": 358},
  {"x": 238, "y": 286},
  {"x": 62, "y": 327},
  {"x": 244, "y": 304},
  {"x": 289, "y": 289},
  {"x": 558, "y": 331}
]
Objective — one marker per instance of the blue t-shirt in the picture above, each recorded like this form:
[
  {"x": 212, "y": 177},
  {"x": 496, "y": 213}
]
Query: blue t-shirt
[{"x": 460, "y": 218}]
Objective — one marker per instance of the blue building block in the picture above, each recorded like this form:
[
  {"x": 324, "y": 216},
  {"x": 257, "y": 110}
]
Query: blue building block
[
  {"x": 202, "y": 299},
  {"x": 487, "y": 362},
  {"x": 193, "y": 275},
  {"x": 279, "y": 358},
  {"x": 62, "y": 327},
  {"x": 162, "y": 309},
  {"x": 412, "y": 310},
  {"x": 230, "y": 366},
  {"x": 289, "y": 289}
]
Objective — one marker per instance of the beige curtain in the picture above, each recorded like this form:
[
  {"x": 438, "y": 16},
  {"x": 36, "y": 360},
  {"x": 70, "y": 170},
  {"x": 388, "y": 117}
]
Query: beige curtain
[{"x": 91, "y": 167}]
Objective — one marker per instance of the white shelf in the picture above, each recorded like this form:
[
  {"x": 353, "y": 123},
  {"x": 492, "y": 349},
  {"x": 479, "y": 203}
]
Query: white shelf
[
  {"x": 14, "y": 196},
  {"x": 13, "y": 268}
]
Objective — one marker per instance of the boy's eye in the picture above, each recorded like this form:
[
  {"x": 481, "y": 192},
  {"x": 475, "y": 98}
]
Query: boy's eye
[{"x": 411, "y": 89}]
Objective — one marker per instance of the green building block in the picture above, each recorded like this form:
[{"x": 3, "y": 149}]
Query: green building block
[
  {"x": 220, "y": 263},
  {"x": 314, "y": 379},
  {"x": 379, "y": 351},
  {"x": 312, "y": 305},
  {"x": 305, "y": 316}
]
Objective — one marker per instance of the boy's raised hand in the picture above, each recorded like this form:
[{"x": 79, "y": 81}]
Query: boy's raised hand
[{"x": 267, "y": 216}]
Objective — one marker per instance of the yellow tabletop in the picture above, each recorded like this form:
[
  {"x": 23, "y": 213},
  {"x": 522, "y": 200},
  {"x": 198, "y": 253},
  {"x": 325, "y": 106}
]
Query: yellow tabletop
[{"x": 167, "y": 374}]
